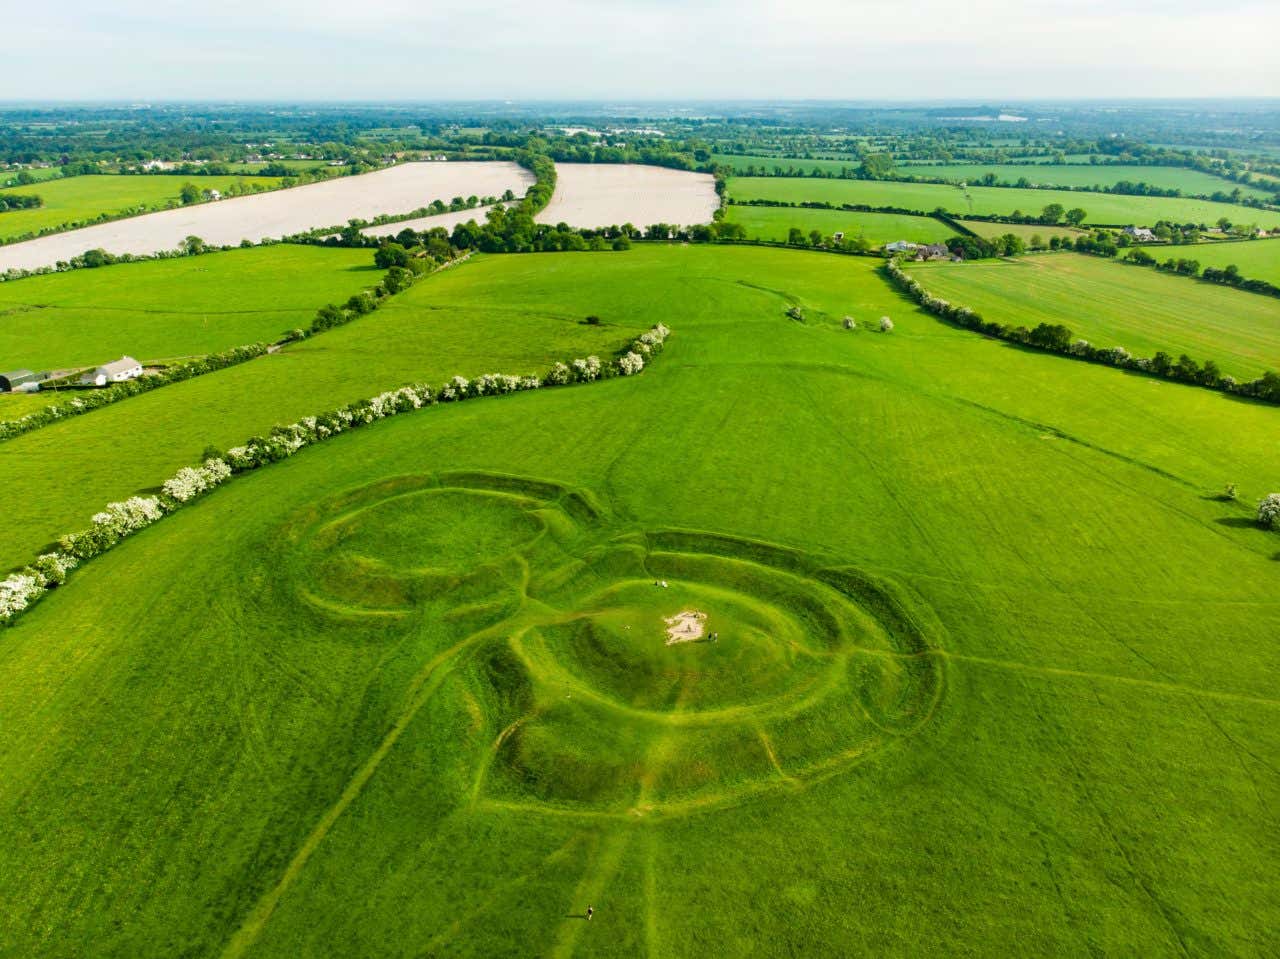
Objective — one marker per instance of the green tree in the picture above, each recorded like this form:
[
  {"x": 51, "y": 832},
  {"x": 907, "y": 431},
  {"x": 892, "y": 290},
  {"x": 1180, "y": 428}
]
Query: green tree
[
  {"x": 876, "y": 166},
  {"x": 795, "y": 236},
  {"x": 1052, "y": 213},
  {"x": 190, "y": 193},
  {"x": 389, "y": 255},
  {"x": 1076, "y": 216}
]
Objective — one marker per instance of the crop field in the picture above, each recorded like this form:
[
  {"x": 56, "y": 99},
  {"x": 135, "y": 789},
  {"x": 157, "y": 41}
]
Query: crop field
[
  {"x": 81, "y": 198},
  {"x": 611, "y": 194},
  {"x": 172, "y": 308},
  {"x": 1256, "y": 259},
  {"x": 423, "y": 223},
  {"x": 1118, "y": 304},
  {"x": 1024, "y": 230},
  {"x": 1190, "y": 182},
  {"x": 397, "y": 189},
  {"x": 985, "y": 666},
  {"x": 774, "y": 223},
  {"x": 926, "y": 197}
]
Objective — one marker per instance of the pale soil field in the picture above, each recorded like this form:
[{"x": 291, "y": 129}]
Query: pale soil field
[
  {"x": 609, "y": 194},
  {"x": 422, "y": 223},
  {"x": 396, "y": 189}
]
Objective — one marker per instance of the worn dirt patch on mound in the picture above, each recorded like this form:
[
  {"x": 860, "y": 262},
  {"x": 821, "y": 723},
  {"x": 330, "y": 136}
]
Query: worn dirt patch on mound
[{"x": 684, "y": 626}]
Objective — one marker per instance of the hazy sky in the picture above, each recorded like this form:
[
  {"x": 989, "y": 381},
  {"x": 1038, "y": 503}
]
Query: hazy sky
[{"x": 605, "y": 49}]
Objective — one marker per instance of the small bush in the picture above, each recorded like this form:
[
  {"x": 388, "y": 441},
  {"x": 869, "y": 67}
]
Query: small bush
[{"x": 1269, "y": 512}]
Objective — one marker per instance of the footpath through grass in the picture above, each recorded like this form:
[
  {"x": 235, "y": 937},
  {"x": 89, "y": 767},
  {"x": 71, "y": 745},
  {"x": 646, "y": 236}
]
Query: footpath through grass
[
  {"x": 78, "y": 200},
  {"x": 926, "y": 197},
  {"x": 169, "y": 308},
  {"x": 1118, "y": 304},
  {"x": 430, "y": 713}
]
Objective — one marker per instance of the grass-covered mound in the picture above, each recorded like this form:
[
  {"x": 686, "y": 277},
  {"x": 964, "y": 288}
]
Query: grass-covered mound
[
  {"x": 1118, "y": 304},
  {"x": 173, "y": 308},
  {"x": 994, "y": 665}
]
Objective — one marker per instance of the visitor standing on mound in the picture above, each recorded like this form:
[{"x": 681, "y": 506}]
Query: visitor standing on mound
[{"x": 590, "y": 912}]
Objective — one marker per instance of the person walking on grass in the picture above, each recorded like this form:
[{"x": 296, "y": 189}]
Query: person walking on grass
[{"x": 590, "y": 912}]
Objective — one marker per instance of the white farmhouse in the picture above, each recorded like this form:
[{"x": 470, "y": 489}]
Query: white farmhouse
[
  {"x": 900, "y": 246},
  {"x": 1140, "y": 234},
  {"x": 125, "y": 368}
]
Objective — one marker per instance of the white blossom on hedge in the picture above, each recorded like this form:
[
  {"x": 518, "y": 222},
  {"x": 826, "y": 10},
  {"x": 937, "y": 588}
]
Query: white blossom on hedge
[
  {"x": 886, "y": 325},
  {"x": 129, "y": 515},
  {"x": 559, "y": 375},
  {"x": 585, "y": 371},
  {"x": 190, "y": 481},
  {"x": 1269, "y": 511},
  {"x": 17, "y": 592},
  {"x": 630, "y": 364},
  {"x": 455, "y": 389}
]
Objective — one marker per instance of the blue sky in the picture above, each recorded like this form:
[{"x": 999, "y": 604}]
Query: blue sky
[{"x": 836, "y": 49}]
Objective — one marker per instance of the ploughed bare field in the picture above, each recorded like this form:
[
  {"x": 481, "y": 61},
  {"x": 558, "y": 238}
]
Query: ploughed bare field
[
  {"x": 396, "y": 189},
  {"x": 423, "y": 223},
  {"x": 610, "y": 194}
]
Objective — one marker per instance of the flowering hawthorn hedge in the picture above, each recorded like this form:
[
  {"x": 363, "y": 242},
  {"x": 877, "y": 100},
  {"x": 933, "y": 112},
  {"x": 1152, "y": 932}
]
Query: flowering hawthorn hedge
[
  {"x": 97, "y": 398},
  {"x": 20, "y": 590},
  {"x": 1057, "y": 339}
]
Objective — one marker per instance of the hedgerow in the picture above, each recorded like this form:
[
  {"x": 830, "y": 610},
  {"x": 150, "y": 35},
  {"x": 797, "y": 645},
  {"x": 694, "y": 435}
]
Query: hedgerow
[
  {"x": 93, "y": 399},
  {"x": 20, "y": 590},
  {"x": 1057, "y": 338}
]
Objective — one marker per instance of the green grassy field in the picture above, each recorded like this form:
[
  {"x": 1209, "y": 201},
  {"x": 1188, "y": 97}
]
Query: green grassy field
[
  {"x": 10, "y": 177},
  {"x": 80, "y": 199},
  {"x": 169, "y": 308},
  {"x": 1190, "y": 182},
  {"x": 429, "y": 333},
  {"x": 774, "y": 223},
  {"x": 926, "y": 197},
  {"x": 16, "y": 405},
  {"x": 741, "y": 163},
  {"x": 1257, "y": 259},
  {"x": 1008, "y": 687},
  {"x": 1117, "y": 304},
  {"x": 1024, "y": 230}
]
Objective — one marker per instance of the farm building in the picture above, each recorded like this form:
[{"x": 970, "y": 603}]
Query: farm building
[
  {"x": 933, "y": 251},
  {"x": 9, "y": 382},
  {"x": 900, "y": 246},
  {"x": 125, "y": 368},
  {"x": 1140, "y": 233}
]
